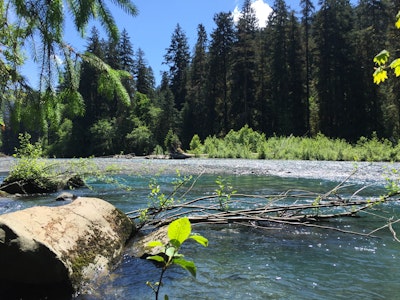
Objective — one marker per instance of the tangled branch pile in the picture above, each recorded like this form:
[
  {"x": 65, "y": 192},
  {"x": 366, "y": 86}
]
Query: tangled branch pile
[{"x": 292, "y": 207}]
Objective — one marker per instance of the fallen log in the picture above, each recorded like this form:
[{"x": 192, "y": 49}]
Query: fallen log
[{"x": 66, "y": 245}]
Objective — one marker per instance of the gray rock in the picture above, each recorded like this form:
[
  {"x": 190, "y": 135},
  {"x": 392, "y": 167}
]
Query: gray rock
[
  {"x": 70, "y": 244},
  {"x": 66, "y": 197}
]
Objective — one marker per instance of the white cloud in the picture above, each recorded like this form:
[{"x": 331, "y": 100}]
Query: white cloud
[
  {"x": 262, "y": 10},
  {"x": 236, "y": 14}
]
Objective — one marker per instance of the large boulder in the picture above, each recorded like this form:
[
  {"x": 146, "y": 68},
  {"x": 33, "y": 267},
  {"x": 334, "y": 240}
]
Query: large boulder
[{"x": 66, "y": 245}]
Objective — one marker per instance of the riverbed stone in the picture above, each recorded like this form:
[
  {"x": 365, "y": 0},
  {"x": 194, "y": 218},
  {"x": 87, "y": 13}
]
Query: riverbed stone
[
  {"x": 65, "y": 196},
  {"x": 70, "y": 244}
]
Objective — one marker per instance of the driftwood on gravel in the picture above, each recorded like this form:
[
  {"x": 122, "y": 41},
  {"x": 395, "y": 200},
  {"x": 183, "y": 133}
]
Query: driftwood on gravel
[{"x": 292, "y": 207}]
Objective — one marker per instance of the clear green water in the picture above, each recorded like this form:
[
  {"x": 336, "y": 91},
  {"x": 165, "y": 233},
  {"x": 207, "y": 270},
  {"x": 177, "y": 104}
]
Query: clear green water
[{"x": 245, "y": 263}]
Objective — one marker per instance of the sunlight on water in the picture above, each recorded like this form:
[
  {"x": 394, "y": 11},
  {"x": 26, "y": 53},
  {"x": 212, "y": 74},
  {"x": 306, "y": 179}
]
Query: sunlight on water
[{"x": 244, "y": 263}]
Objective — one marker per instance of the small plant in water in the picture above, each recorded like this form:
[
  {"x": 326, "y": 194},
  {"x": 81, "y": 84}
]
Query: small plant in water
[
  {"x": 224, "y": 192},
  {"x": 179, "y": 231},
  {"x": 160, "y": 201},
  {"x": 392, "y": 182}
]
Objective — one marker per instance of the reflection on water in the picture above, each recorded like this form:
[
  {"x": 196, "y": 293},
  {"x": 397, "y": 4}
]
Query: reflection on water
[{"x": 246, "y": 263}]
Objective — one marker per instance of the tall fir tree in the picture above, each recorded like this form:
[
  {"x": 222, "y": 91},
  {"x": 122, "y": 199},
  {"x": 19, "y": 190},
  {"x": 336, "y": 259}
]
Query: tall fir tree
[
  {"x": 244, "y": 68},
  {"x": 333, "y": 28},
  {"x": 126, "y": 61},
  {"x": 195, "y": 111},
  {"x": 298, "y": 104},
  {"x": 278, "y": 25},
  {"x": 265, "y": 118},
  {"x": 145, "y": 81},
  {"x": 88, "y": 89},
  {"x": 307, "y": 15},
  {"x": 169, "y": 116},
  {"x": 220, "y": 70},
  {"x": 124, "y": 56},
  {"x": 372, "y": 21},
  {"x": 178, "y": 58}
]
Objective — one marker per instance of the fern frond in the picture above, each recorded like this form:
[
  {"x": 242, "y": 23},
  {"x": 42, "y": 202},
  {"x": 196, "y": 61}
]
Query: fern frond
[
  {"x": 73, "y": 101},
  {"x": 107, "y": 20},
  {"x": 55, "y": 18},
  {"x": 82, "y": 11},
  {"x": 127, "y": 6},
  {"x": 120, "y": 90},
  {"x": 110, "y": 82},
  {"x": 71, "y": 68}
]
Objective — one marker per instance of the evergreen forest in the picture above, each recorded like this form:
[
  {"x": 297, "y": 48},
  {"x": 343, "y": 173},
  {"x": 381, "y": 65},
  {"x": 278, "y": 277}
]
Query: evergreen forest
[{"x": 307, "y": 73}]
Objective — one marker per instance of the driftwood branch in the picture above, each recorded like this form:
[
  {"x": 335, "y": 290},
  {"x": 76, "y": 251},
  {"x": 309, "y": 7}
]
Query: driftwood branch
[{"x": 292, "y": 207}]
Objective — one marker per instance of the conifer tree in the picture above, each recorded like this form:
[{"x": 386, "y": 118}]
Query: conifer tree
[
  {"x": 372, "y": 21},
  {"x": 144, "y": 75},
  {"x": 265, "y": 118},
  {"x": 279, "y": 76},
  {"x": 177, "y": 57},
  {"x": 298, "y": 105},
  {"x": 333, "y": 28},
  {"x": 169, "y": 116},
  {"x": 195, "y": 111},
  {"x": 244, "y": 67},
  {"x": 220, "y": 65},
  {"x": 307, "y": 14},
  {"x": 93, "y": 102},
  {"x": 105, "y": 101},
  {"x": 126, "y": 62}
]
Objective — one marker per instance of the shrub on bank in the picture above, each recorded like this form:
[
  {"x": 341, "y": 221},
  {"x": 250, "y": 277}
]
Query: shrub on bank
[{"x": 247, "y": 143}]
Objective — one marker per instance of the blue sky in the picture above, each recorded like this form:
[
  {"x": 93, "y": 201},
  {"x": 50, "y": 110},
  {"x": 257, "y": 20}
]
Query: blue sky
[{"x": 152, "y": 28}]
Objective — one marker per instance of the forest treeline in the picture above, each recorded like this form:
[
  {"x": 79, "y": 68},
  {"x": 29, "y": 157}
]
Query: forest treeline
[{"x": 305, "y": 73}]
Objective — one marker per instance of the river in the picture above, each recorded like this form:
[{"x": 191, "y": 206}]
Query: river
[{"x": 245, "y": 263}]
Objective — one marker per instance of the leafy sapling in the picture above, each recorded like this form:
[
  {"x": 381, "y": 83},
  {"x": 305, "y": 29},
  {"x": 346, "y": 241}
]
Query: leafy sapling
[
  {"x": 160, "y": 201},
  {"x": 179, "y": 231},
  {"x": 224, "y": 192}
]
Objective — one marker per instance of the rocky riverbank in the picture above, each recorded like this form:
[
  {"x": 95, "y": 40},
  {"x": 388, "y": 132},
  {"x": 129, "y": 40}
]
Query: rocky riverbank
[{"x": 331, "y": 170}]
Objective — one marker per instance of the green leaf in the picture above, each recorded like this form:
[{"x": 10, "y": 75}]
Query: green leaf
[
  {"x": 200, "y": 239},
  {"x": 153, "y": 244},
  {"x": 380, "y": 75},
  {"x": 179, "y": 231},
  {"x": 397, "y": 24},
  {"x": 157, "y": 258},
  {"x": 396, "y": 66},
  {"x": 170, "y": 251},
  {"x": 187, "y": 265},
  {"x": 382, "y": 57}
]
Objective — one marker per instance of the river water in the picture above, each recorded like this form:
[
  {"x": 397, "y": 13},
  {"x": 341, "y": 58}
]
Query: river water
[{"x": 245, "y": 263}]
